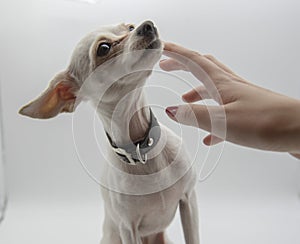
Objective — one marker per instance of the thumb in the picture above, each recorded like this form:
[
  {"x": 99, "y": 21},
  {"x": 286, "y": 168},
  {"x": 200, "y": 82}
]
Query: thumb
[{"x": 205, "y": 117}]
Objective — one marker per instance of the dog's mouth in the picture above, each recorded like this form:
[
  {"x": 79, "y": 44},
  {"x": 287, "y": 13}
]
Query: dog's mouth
[{"x": 155, "y": 44}]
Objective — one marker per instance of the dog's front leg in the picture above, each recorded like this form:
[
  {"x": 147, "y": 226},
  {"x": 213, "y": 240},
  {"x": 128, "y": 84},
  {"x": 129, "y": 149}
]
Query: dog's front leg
[
  {"x": 129, "y": 234},
  {"x": 189, "y": 217}
]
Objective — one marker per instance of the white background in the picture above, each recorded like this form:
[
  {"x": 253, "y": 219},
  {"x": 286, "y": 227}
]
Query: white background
[{"x": 252, "y": 196}]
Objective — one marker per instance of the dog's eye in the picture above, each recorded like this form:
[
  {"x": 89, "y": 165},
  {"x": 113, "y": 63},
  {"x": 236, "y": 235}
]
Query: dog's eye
[
  {"x": 131, "y": 28},
  {"x": 103, "y": 49}
]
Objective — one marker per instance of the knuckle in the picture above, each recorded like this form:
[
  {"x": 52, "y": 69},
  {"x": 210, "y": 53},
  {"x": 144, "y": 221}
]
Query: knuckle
[
  {"x": 193, "y": 113},
  {"x": 171, "y": 45},
  {"x": 189, "y": 113},
  {"x": 194, "y": 54},
  {"x": 209, "y": 56}
]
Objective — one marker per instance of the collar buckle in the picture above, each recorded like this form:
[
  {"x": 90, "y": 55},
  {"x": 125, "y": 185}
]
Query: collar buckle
[{"x": 137, "y": 153}]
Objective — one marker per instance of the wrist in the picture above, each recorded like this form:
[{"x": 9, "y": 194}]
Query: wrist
[
  {"x": 294, "y": 129},
  {"x": 282, "y": 128}
]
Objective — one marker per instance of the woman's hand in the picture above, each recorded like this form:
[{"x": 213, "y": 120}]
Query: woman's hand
[{"x": 255, "y": 117}]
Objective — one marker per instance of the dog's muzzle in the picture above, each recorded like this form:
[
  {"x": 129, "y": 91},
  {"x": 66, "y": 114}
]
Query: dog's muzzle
[{"x": 148, "y": 31}]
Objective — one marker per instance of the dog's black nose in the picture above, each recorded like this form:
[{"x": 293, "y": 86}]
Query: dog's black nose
[{"x": 146, "y": 29}]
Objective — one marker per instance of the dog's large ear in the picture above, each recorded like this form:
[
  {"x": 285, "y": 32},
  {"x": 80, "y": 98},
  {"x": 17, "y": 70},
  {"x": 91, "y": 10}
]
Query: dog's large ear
[{"x": 59, "y": 97}]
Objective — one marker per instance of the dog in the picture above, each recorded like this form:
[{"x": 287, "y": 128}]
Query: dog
[{"x": 138, "y": 144}]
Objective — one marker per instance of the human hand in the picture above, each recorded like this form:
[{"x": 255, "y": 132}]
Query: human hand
[{"x": 255, "y": 117}]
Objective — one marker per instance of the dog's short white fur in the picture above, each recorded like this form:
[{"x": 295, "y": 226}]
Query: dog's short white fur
[{"x": 129, "y": 219}]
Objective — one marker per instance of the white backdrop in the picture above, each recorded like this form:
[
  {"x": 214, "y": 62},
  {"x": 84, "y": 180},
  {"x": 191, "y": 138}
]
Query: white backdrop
[{"x": 252, "y": 196}]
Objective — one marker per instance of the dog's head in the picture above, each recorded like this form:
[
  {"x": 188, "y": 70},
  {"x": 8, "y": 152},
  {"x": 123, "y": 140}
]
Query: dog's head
[{"x": 125, "y": 49}]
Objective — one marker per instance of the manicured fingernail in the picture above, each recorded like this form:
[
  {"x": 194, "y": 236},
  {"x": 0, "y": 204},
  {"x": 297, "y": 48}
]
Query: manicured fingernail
[
  {"x": 171, "y": 111},
  {"x": 183, "y": 98},
  {"x": 207, "y": 141}
]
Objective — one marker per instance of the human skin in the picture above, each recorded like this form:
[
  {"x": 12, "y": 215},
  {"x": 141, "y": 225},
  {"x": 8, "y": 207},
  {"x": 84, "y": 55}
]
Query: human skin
[{"x": 255, "y": 117}]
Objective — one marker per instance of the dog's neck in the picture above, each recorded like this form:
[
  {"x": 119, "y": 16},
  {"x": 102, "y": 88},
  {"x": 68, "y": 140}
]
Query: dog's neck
[{"x": 126, "y": 118}]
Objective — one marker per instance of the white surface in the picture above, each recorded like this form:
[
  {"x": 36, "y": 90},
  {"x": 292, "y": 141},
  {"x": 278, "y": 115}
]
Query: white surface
[
  {"x": 2, "y": 179},
  {"x": 232, "y": 220},
  {"x": 252, "y": 197}
]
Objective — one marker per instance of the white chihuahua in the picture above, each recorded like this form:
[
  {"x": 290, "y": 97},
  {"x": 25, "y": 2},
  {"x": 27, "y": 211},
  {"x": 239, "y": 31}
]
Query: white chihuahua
[{"x": 135, "y": 138}]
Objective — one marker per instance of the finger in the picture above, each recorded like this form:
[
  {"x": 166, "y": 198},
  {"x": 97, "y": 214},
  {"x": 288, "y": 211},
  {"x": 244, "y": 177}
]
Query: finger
[
  {"x": 189, "y": 115},
  {"x": 201, "y": 116},
  {"x": 201, "y": 67},
  {"x": 198, "y": 93},
  {"x": 171, "y": 64},
  {"x": 220, "y": 64},
  {"x": 211, "y": 140},
  {"x": 226, "y": 69}
]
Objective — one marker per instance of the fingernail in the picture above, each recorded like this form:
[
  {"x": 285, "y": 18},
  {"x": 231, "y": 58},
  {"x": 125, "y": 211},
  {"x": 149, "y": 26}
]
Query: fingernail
[
  {"x": 183, "y": 98},
  {"x": 207, "y": 141},
  {"x": 171, "y": 111}
]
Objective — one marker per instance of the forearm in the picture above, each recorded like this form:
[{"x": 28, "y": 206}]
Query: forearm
[
  {"x": 294, "y": 130},
  {"x": 280, "y": 127},
  {"x": 295, "y": 134}
]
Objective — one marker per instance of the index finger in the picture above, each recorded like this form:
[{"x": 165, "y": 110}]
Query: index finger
[
  {"x": 202, "y": 68},
  {"x": 190, "y": 59}
]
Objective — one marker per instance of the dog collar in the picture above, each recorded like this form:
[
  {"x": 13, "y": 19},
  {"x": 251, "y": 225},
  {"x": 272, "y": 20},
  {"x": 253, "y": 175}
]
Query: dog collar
[{"x": 135, "y": 153}]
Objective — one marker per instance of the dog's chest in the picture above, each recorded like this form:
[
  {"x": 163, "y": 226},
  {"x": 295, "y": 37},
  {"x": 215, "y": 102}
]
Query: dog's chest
[{"x": 148, "y": 213}]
